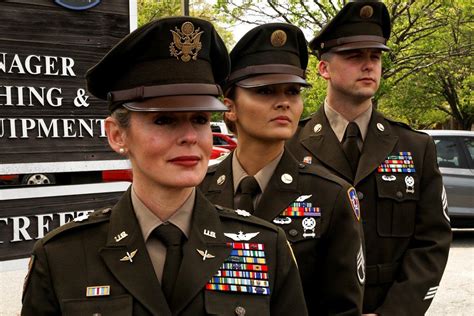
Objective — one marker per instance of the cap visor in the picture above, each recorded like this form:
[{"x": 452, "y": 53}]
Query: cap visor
[
  {"x": 183, "y": 103},
  {"x": 269, "y": 79},
  {"x": 359, "y": 45}
]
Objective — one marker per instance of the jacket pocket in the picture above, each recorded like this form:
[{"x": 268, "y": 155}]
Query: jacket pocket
[
  {"x": 121, "y": 305},
  {"x": 236, "y": 303},
  {"x": 398, "y": 195}
]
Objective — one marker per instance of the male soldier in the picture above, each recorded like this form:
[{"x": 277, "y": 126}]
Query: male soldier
[
  {"x": 403, "y": 203},
  {"x": 318, "y": 211},
  {"x": 162, "y": 249}
]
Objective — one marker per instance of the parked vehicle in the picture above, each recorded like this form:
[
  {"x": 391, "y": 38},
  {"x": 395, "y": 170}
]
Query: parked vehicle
[
  {"x": 219, "y": 127},
  {"x": 455, "y": 154},
  {"x": 65, "y": 178},
  {"x": 224, "y": 141}
]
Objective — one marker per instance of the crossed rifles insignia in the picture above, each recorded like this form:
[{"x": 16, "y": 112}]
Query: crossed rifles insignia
[{"x": 186, "y": 42}]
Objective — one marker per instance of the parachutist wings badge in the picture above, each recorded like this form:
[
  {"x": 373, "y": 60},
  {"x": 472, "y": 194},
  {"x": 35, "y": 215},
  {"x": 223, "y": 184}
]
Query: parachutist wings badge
[{"x": 186, "y": 42}]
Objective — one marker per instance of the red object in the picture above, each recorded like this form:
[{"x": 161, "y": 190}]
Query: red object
[
  {"x": 224, "y": 141},
  {"x": 218, "y": 151},
  {"x": 117, "y": 175}
]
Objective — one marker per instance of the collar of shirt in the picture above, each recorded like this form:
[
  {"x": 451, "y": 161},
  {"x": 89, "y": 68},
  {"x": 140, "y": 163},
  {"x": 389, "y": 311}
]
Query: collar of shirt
[
  {"x": 149, "y": 221},
  {"x": 339, "y": 123},
  {"x": 262, "y": 176}
]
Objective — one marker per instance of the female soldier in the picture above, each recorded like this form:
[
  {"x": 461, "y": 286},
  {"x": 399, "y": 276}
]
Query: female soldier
[
  {"x": 318, "y": 211},
  {"x": 163, "y": 250}
]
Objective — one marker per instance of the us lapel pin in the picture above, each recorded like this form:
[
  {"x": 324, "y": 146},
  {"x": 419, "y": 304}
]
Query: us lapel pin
[
  {"x": 120, "y": 236},
  {"x": 209, "y": 233}
]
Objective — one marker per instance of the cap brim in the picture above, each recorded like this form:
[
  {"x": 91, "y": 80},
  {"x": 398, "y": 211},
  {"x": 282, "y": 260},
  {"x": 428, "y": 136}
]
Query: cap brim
[
  {"x": 359, "y": 45},
  {"x": 182, "y": 103},
  {"x": 269, "y": 79}
]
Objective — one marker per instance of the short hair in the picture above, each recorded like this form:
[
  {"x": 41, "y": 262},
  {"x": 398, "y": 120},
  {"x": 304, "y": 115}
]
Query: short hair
[{"x": 122, "y": 115}]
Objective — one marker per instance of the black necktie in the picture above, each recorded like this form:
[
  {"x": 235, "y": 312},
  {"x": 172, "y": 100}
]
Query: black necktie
[
  {"x": 246, "y": 193},
  {"x": 171, "y": 236},
  {"x": 349, "y": 145}
]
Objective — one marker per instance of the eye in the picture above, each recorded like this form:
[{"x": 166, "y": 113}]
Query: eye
[
  {"x": 265, "y": 90},
  {"x": 200, "y": 119},
  {"x": 294, "y": 90},
  {"x": 164, "y": 119},
  {"x": 376, "y": 56}
]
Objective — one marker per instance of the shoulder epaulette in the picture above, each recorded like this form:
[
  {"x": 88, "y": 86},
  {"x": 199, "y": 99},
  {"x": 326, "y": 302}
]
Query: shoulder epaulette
[
  {"x": 323, "y": 172},
  {"x": 212, "y": 169},
  {"x": 244, "y": 216},
  {"x": 93, "y": 218}
]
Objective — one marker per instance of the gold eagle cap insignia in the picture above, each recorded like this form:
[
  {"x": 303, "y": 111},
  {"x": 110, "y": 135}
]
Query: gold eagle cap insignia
[{"x": 186, "y": 42}]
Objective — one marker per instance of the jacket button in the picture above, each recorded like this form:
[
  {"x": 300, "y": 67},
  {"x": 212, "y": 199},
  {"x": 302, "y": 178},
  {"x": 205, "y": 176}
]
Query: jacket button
[
  {"x": 399, "y": 194},
  {"x": 239, "y": 311},
  {"x": 360, "y": 195},
  {"x": 293, "y": 232}
]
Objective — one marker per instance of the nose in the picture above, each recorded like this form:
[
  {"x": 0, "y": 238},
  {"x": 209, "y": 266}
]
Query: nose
[
  {"x": 187, "y": 134},
  {"x": 283, "y": 103}
]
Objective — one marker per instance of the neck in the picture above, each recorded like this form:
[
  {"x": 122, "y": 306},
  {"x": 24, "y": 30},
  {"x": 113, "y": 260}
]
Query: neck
[
  {"x": 254, "y": 155},
  {"x": 350, "y": 109},
  {"x": 162, "y": 201}
]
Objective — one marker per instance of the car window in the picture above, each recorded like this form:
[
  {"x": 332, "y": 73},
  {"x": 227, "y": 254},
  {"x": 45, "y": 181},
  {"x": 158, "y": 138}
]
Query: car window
[
  {"x": 469, "y": 143},
  {"x": 449, "y": 153},
  {"x": 219, "y": 141}
]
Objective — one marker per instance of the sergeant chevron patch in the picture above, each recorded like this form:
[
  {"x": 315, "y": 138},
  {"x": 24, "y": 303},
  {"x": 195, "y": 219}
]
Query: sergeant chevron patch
[{"x": 431, "y": 293}]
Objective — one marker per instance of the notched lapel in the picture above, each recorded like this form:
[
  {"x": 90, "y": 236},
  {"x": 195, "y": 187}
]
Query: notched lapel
[
  {"x": 377, "y": 146},
  {"x": 222, "y": 193},
  {"x": 136, "y": 275},
  {"x": 195, "y": 272},
  {"x": 324, "y": 145},
  {"x": 278, "y": 195}
]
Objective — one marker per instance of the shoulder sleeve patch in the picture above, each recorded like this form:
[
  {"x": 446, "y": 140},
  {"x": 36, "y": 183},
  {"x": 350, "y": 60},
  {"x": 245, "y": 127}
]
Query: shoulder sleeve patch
[{"x": 352, "y": 194}]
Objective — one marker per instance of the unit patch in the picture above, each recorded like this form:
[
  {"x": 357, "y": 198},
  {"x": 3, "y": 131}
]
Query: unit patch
[
  {"x": 352, "y": 193},
  {"x": 244, "y": 271},
  {"x": 401, "y": 163}
]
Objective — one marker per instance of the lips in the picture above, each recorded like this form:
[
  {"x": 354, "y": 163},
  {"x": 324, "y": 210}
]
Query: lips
[
  {"x": 185, "y": 160},
  {"x": 282, "y": 118}
]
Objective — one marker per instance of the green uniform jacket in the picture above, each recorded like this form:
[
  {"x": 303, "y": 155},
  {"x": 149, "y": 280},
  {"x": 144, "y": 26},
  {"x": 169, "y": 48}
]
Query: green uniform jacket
[
  {"x": 331, "y": 276},
  {"x": 406, "y": 227},
  {"x": 93, "y": 253}
]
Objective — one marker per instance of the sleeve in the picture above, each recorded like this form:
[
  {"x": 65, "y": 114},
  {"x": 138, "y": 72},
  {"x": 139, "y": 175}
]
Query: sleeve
[
  {"x": 39, "y": 297},
  {"x": 288, "y": 298},
  {"x": 344, "y": 265},
  {"x": 423, "y": 264}
]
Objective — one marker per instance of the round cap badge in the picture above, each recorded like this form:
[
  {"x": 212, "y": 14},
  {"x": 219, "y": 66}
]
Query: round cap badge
[
  {"x": 366, "y": 12},
  {"x": 278, "y": 38}
]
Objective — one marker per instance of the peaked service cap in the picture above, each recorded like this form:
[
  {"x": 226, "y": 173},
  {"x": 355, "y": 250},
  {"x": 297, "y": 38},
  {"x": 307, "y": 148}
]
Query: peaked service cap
[{"x": 170, "y": 64}]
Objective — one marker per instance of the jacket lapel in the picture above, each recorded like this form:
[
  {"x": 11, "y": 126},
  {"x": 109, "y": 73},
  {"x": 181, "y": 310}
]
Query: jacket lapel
[
  {"x": 134, "y": 272},
  {"x": 278, "y": 194},
  {"x": 221, "y": 188},
  {"x": 378, "y": 144},
  {"x": 195, "y": 272},
  {"x": 324, "y": 145}
]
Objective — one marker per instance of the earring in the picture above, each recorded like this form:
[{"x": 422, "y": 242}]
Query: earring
[{"x": 121, "y": 150}]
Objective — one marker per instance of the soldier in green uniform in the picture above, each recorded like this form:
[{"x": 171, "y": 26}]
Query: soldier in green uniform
[
  {"x": 318, "y": 211},
  {"x": 392, "y": 166},
  {"x": 163, "y": 249}
]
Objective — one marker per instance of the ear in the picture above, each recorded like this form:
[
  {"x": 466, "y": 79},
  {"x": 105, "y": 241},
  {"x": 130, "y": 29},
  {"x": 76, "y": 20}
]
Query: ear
[
  {"x": 323, "y": 67},
  {"x": 115, "y": 134},
  {"x": 230, "y": 115}
]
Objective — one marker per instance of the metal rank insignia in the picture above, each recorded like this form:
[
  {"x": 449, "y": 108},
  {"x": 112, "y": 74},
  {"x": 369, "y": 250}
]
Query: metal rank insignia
[
  {"x": 244, "y": 271},
  {"x": 309, "y": 226},
  {"x": 401, "y": 163},
  {"x": 186, "y": 42}
]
